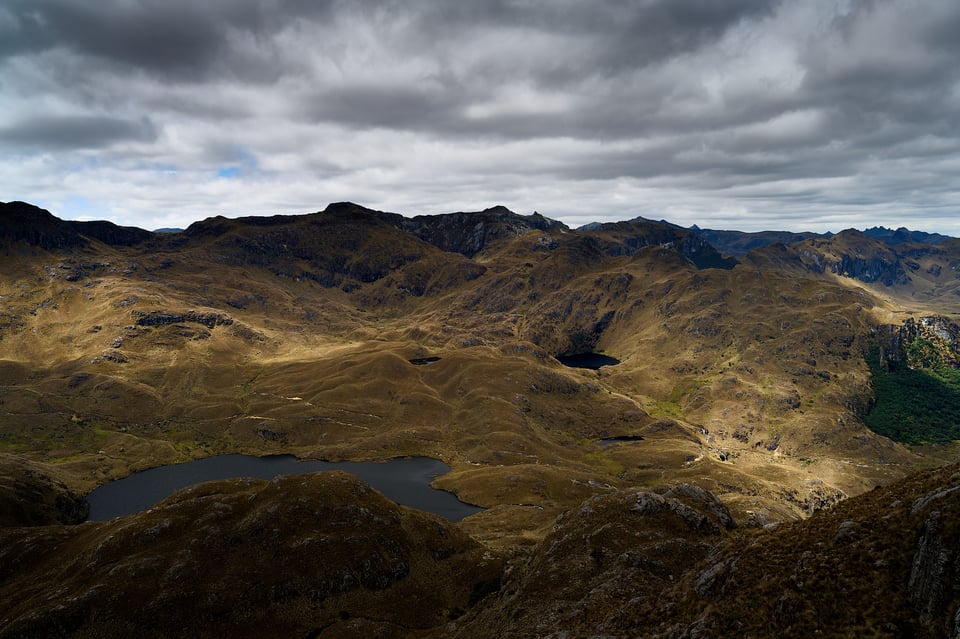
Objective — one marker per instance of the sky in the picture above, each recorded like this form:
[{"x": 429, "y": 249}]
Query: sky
[{"x": 731, "y": 114}]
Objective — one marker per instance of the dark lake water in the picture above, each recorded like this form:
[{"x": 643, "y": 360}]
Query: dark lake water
[
  {"x": 404, "y": 480},
  {"x": 587, "y": 360}
]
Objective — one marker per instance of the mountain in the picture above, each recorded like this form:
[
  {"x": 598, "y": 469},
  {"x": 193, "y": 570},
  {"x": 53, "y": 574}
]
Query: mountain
[
  {"x": 742, "y": 385},
  {"x": 739, "y": 243},
  {"x": 922, "y": 275},
  {"x": 902, "y": 235},
  {"x": 469, "y": 233},
  {"x": 38, "y": 227}
]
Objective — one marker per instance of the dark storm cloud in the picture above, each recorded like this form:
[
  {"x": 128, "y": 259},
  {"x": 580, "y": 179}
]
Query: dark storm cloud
[
  {"x": 159, "y": 37},
  {"x": 786, "y": 108},
  {"x": 179, "y": 38},
  {"x": 637, "y": 34},
  {"x": 623, "y": 34}
]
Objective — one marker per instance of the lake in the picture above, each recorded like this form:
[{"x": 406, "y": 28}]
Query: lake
[
  {"x": 587, "y": 360},
  {"x": 404, "y": 480}
]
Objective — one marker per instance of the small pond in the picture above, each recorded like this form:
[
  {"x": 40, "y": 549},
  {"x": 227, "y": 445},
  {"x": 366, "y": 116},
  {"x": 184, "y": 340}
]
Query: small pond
[
  {"x": 404, "y": 480},
  {"x": 587, "y": 360},
  {"x": 610, "y": 441},
  {"x": 421, "y": 361}
]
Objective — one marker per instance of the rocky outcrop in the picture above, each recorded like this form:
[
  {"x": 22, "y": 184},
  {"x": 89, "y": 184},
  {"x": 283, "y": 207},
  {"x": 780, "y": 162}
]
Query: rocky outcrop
[
  {"x": 605, "y": 560},
  {"x": 344, "y": 246},
  {"x": 859, "y": 256},
  {"x": 22, "y": 222},
  {"x": 926, "y": 342},
  {"x": 626, "y": 238},
  {"x": 470, "y": 233},
  {"x": 934, "y": 569},
  {"x": 636, "y": 563},
  {"x": 209, "y": 319},
  {"x": 934, "y": 584}
]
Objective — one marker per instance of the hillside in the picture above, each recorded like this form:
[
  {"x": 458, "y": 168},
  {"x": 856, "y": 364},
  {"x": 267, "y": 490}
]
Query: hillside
[
  {"x": 323, "y": 555},
  {"x": 637, "y": 563},
  {"x": 314, "y": 555},
  {"x": 357, "y": 334}
]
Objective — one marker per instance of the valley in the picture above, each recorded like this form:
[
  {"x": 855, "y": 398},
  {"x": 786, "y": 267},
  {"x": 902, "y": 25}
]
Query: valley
[{"x": 741, "y": 384}]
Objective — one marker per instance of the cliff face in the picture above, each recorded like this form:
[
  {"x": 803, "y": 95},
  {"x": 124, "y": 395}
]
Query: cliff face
[
  {"x": 853, "y": 254},
  {"x": 927, "y": 342},
  {"x": 22, "y": 222},
  {"x": 738, "y": 243},
  {"x": 626, "y": 238}
]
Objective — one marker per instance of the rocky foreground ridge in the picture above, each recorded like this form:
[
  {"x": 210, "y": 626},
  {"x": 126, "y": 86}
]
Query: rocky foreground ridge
[
  {"x": 641, "y": 564},
  {"x": 324, "y": 555}
]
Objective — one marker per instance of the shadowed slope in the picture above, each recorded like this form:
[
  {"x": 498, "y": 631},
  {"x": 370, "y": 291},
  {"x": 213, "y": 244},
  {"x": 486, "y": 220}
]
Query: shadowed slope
[
  {"x": 636, "y": 563},
  {"x": 311, "y": 555}
]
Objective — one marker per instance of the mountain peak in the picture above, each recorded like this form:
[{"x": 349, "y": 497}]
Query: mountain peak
[{"x": 20, "y": 221}]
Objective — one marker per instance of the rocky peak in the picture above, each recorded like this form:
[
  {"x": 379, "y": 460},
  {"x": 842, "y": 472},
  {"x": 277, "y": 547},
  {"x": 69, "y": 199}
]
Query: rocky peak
[
  {"x": 470, "y": 233},
  {"x": 24, "y": 222},
  {"x": 350, "y": 212},
  {"x": 626, "y": 238},
  {"x": 902, "y": 235},
  {"x": 20, "y": 221}
]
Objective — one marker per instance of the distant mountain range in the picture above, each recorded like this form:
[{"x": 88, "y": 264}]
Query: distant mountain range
[{"x": 739, "y": 243}]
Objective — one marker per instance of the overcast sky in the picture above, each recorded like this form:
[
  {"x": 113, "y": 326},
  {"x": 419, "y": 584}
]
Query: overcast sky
[{"x": 747, "y": 114}]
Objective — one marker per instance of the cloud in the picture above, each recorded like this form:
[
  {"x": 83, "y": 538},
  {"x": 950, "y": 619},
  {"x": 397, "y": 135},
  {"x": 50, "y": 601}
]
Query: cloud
[
  {"x": 752, "y": 113},
  {"x": 75, "y": 132}
]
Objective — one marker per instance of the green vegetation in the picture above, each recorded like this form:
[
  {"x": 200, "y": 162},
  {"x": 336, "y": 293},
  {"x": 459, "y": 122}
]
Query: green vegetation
[
  {"x": 922, "y": 353},
  {"x": 915, "y": 405},
  {"x": 607, "y": 465}
]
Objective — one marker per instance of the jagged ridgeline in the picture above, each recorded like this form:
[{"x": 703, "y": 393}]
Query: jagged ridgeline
[{"x": 754, "y": 378}]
